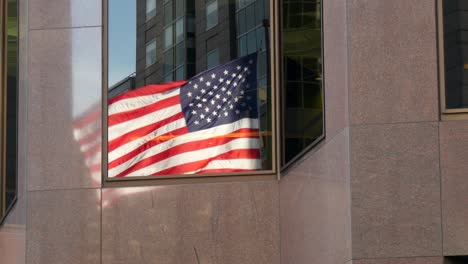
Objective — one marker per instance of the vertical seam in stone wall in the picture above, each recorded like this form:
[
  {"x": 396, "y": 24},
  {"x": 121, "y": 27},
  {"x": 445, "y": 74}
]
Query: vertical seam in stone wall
[
  {"x": 349, "y": 126},
  {"x": 440, "y": 193}
]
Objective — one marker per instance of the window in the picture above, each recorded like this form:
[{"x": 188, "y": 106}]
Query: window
[
  {"x": 454, "y": 54},
  {"x": 303, "y": 117},
  {"x": 211, "y": 14},
  {"x": 212, "y": 59},
  {"x": 151, "y": 53},
  {"x": 150, "y": 9},
  {"x": 9, "y": 103},
  {"x": 207, "y": 110}
]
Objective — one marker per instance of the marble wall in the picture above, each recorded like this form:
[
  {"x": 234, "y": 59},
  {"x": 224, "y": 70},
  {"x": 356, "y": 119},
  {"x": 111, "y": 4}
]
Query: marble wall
[{"x": 387, "y": 186}]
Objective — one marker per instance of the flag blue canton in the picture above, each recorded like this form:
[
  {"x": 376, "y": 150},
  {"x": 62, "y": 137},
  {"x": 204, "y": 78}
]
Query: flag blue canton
[{"x": 221, "y": 95}]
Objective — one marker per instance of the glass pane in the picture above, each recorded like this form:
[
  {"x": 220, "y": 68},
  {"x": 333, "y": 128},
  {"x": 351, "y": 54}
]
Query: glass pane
[
  {"x": 302, "y": 44},
  {"x": 150, "y": 53},
  {"x": 168, "y": 61},
  {"x": 150, "y": 8},
  {"x": 180, "y": 30},
  {"x": 212, "y": 59},
  {"x": 168, "y": 37},
  {"x": 180, "y": 54},
  {"x": 212, "y": 120},
  {"x": 179, "y": 8},
  {"x": 456, "y": 54},
  {"x": 8, "y": 197},
  {"x": 211, "y": 14},
  {"x": 168, "y": 13}
]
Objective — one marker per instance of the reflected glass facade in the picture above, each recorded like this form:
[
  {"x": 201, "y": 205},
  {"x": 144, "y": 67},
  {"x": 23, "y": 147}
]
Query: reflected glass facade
[
  {"x": 8, "y": 87},
  {"x": 302, "y": 96},
  {"x": 455, "y": 44}
]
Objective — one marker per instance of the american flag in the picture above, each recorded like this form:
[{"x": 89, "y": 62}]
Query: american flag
[{"x": 207, "y": 124}]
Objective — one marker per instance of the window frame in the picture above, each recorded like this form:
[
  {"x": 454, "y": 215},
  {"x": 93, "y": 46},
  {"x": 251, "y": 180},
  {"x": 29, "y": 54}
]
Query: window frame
[
  {"x": 445, "y": 113},
  {"x": 276, "y": 82},
  {"x": 284, "y": 168},
  {"x": 4, "y": 208}
]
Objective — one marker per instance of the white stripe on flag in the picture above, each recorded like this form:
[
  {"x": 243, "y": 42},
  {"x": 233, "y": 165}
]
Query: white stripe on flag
[
  {"x": 133, "y": 124},
  {"x": 193, "y": 156},
  {"x": 139, "y": 102},
  {"x": 194, "y": 136}
]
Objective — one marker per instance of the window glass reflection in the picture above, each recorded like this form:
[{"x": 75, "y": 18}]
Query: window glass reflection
[
  {"x": 303, "y": 109},
  {"x": 236, "y": 90},
  {"x": 211, "y": 14},
  {"x": 456, "y": 53}
]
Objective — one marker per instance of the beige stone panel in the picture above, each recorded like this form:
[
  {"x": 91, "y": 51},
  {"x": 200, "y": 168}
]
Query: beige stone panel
[
  {"x": 315, "y": 206},
  {"x": 395, "y": 197},
  {"x": 336, "y": 66},
  {"x": 392, "y": 61},
  {"x": 64, "y": 13},
  {"x": 454, "y": 168},
  {"x": 64, "y": 227},
  {"x": 200, "y": 223},
  {"x": 420, "y": 260},
  {"x": 65, "y": 88}
]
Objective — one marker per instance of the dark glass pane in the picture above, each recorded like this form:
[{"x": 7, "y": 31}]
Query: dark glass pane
[
  {"x": 259, "y": 11},
  {"x": 179, "y": 74},
  {"x": 456, "y": 54},
  {"x": 212, "y": 59},
  {"x": 11, "y": 109},
  {"x": 241, "y": 21},
  {"x": 250, "y": 17},
  {"x": 168, "y": 61},
  {"x": 302, "y": 43},
  {"x": 168, "y": 13},
  {"x": 185, "y": 48},
  {"x": 211, "y": 14},
  {"x": 251, "y": 42},
  {"x": 179, "y": 8}
]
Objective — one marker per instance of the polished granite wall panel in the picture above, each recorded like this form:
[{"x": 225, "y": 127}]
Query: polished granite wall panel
[
  {"x": 199, "y": 223},
  {"x": 393, "y": 61},
  {"x": 335, "y": 67},
  {"x": 64, "y": 226},
  {"x": 65, "y": 86},
  {"x": 454, "y": 168},
  {"x": 12, "y": 244},
  {"x": 315, "y": 215},
  {"x": 418, "y": 260},
  {"x": 395, "y": 190},
  {"x": 64, "y": 13}
]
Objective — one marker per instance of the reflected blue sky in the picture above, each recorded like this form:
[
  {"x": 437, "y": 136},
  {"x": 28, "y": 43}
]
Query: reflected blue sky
[{"x": 122, "y": 39}]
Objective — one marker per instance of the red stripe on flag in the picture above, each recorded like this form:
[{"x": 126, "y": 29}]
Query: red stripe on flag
[
  {"x": 151, "y": 143},
  {"x": 135, "y": 113},
  {"x": 186, "y": 147},
  {"x": 147, "y": 90},
  {"x": 142, "y": 131},
  {"x": 193, "y": 166}
]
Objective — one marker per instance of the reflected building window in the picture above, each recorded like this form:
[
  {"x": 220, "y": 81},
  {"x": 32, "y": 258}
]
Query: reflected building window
[
  {"x": 212, "y": 58},
  {"x": 151, "y": 53},
  {"x": 211, "y": 14},
  {"x": 9, "y": 105},
  {"x": 455, "y": 45},
  {"x": 223, "y": 73},
  {"x": 150, "y": 9},
  {"x": 302, "y": 93}
]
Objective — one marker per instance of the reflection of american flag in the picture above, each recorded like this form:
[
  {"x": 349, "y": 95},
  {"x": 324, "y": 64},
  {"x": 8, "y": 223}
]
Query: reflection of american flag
[
  {"x": 207, "y": 124},
  {"x": 87, "y": 132}
]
